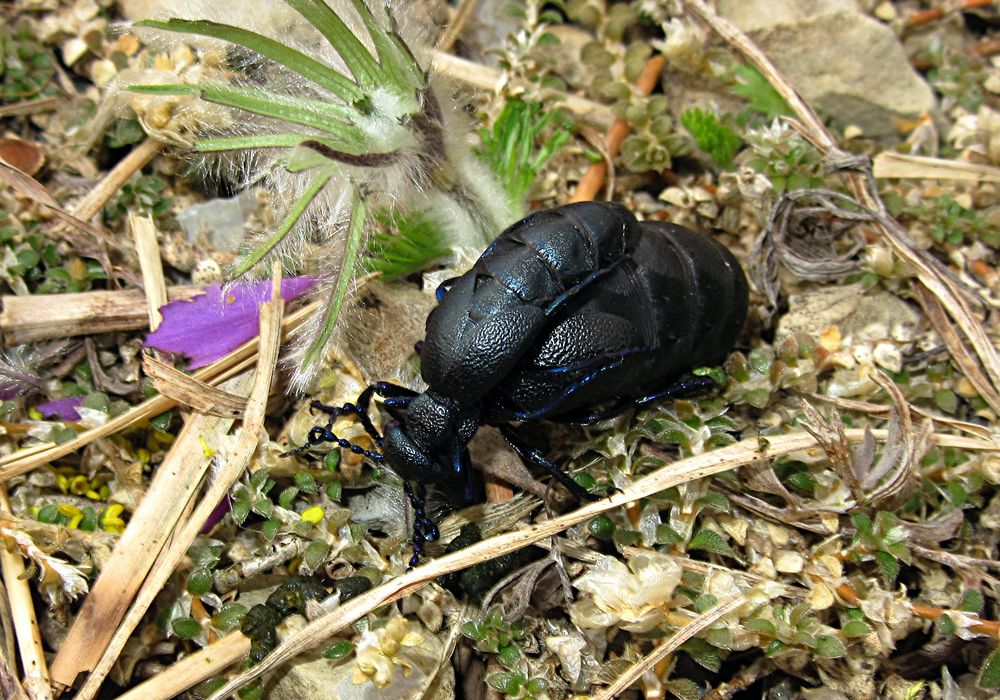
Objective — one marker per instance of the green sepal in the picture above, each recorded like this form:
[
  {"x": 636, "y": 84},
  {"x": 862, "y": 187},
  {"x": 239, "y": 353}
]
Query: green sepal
[
  {"x": 309, "y": 68},
  {"x": 356, "y": 57}
]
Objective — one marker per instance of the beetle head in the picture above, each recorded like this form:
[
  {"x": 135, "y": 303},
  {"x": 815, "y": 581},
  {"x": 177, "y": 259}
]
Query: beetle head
[{"x": 422, "y": 446}]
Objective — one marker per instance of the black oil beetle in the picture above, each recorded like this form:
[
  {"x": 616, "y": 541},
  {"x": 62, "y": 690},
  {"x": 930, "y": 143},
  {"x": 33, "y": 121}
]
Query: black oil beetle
[{"x": 573, "y": 314}]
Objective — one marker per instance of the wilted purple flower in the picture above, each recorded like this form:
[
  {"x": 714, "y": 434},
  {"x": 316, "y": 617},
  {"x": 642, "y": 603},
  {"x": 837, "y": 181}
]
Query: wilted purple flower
[
  {"x": 63, "y": 409},
  {"x": 214, "y": 324}
]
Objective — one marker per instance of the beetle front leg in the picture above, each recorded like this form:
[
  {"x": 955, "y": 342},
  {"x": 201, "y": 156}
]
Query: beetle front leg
[{"x": 531, "y": 456}]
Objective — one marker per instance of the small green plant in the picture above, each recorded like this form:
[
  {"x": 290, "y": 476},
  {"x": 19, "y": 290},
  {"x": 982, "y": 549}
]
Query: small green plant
[
  {"x": 403, "y": 244},
  {"x": 143, "y": 195},
  {"x": 523, "y": 139},
  {"x": 883, "y": 539},
  {"x": 949, "y": 222},
  {"x": 760, "y": 95},
  {"x": 31, "y": 264},
  {"x": 27, "y": 68},
  {"x": 713, "y": 136}
]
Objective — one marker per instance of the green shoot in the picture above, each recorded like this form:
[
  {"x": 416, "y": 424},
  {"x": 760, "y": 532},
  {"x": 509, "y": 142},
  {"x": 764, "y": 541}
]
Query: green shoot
[
  {"x": 524, "y": 138},
  {"x": 759, "y": 93},
  {"x": 712, "y": 136},
  {"x": 401, "y": 245}
]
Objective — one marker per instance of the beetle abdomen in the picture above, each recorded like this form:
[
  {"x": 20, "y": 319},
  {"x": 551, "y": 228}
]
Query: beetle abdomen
[
  {"x": 493, "y": 315},
  {"x": 678, "y": 302}
]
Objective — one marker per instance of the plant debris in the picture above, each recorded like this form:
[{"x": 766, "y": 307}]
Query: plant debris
[{"x": 820, "y": 525}]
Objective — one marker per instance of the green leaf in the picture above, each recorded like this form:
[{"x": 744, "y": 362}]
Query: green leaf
[
  {"x": 972, "y": 601},
  {"x": 759, "y": 93},
  {"x": 712, "y": 136},
  {"x": 326, "y": 116},
  {"x": 355, "y": 234},
  {"x": 229, "y": 617},
  {"x": 395, "y": 56},
  {"x": 338, "y": 650},
  {"x": 186, "y": 627},
  {"x": 200, "y": 581},
  {"x": 703, "y": 653},
  {"x": 309, "y": 68},
  {"x": 306, "y": 482},
  {"x": 291, "y": 218},
  {"x": 888, "y": 565},
  {"x": 404, "y": 244},
  {"x": 356, "y": 57},
  {"x": 315, "y": 554},
  {"x": 761, "y": 626},
  {"x": 830, "y": 647},
  {"x": 989, "y": 674},
  {"x": 710, "y": 541},
  {"x": 683, "y": 688},
  {"x": 236, "y": 143},
  {"x": 856, "y": 628}
]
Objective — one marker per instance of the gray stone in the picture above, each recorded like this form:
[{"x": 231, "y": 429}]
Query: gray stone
[{"x": 847, "y": 65}]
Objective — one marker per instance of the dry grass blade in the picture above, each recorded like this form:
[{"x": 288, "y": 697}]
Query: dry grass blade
[
  {"x": 128, "y": 166},
  {"x": 830, "y": 436},
  {"x": 192, "y": 669},
  {"x": 34, "y": 318},
  {"x": 174, "y": 483},
  {"x": 903, "y": 165},
  {"x": 188, "y": 391},
  {"x": 458, "y": 20},
  {"x": 668, "y": 646},
  {"x": 144, "y": 232},
  {"x": 487, "y": 78},
  {"x": 25, "y": 184},
  {"x": 877, "y": 409},
  {"x": 29, "y": 639},
  {"x": 229, "y": 366},
  {"x": 689, "y": 469},
  {"x": 959, "y": 321},
  {"x": 238, "y": 459}
]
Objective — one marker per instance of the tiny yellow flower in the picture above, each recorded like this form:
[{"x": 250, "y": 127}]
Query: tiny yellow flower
[
  {"x": 111, "y": 518},
  {"x": 72, "y": 513},
  {"x": 205, "y": 448},
  {"x": 313, "y": 515},
  {"x": 143, "y": 455},
  {"x": 63, "y": 481},
  {"x": 79, "y": 485}
]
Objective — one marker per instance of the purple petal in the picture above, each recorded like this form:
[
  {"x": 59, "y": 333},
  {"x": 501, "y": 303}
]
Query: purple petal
[
  {"x": 63, "y": 409},
  {"x": 217, "y": 514},
  {"x": 212, "y": 325}
]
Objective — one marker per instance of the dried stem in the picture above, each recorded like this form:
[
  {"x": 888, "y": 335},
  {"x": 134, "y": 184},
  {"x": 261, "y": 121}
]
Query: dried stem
[
  {"x": 668, "y": 646},
  {"x": 590, "y": 185},
  {"x": 34, "y": 318},
  {"x": 696, "y": 467},
  {"x": 148, "y": 249},
  {"x": 29, "y": 640},
  {"x": 234, "y": 363},
  {"x": 239, "y": 457},
  {"x": 454, "y": 28},
  {"x": 91, "y": 203}
]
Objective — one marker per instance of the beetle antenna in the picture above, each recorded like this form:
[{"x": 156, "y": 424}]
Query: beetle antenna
[{"x": 319, "y": 434}]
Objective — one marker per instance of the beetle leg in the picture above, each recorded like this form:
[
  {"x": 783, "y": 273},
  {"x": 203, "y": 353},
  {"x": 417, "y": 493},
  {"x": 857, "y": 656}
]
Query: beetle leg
[
  {"x": 531, "y": 456},
  {"x": 424, "y": 529},
  {"x": 552, "y": 405},
  {"x": 558, "y": 302},
  {"x": 444, "y": 287},
  {"x": 396, "y": 397},
  {"x": 319, "y": 434},
  {"x": 682, "y": 387},
  {"x": 462, "y": 467}
]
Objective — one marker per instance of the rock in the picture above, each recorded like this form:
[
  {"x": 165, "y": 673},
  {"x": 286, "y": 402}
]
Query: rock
[
  {"x": 847, "y": 65},
  {"x": 221, "y": 221},
  {"x": 862, "y": 319}
]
